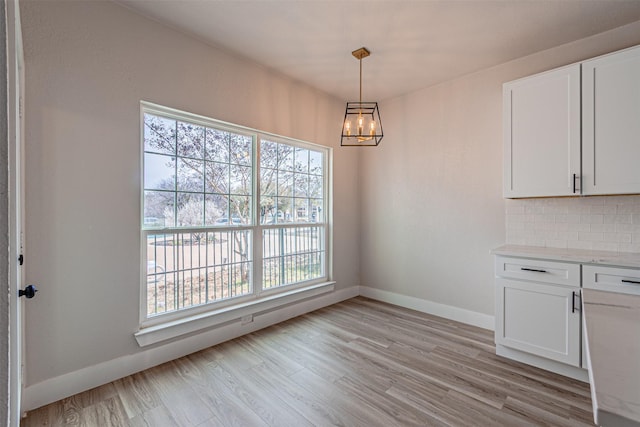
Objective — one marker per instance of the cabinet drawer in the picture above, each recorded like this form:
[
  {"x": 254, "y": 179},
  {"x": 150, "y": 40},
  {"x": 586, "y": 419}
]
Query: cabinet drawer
[
  {"x": 559, "y": 273},
  {"x": 623, "y": 280}
]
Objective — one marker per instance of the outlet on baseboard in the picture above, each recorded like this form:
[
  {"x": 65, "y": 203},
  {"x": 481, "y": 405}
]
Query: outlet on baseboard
[{"x": 246, "y": 319}]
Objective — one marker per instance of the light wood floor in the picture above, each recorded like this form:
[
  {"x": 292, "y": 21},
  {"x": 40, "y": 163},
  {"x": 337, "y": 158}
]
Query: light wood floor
[{"x": 357, "y": 363}]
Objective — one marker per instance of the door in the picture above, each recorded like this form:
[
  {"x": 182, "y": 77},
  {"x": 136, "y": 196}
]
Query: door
[
  {"x": 611, "y": 124},
  {"x": 541, "y": 125},
  {"x": 15, "y": 90},
  {"x": 540, "y": 319}
]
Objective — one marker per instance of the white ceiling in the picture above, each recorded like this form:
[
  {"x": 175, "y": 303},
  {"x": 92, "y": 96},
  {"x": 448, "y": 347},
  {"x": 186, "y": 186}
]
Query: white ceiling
[{"x": 413, "y": 44}]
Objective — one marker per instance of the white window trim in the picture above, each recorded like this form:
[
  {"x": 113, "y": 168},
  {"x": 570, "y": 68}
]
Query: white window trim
[
  {"x": 187, "y": 325},
  {"x": 189, "y": 320}
]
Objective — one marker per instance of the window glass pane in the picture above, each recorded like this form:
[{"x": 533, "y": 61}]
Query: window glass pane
[
  {"x": 302, "y": 160},
  {"x": 158, "y": 205},
  {"x": 190, "y": 140},
  {"x": 283, "y": 209},
  {"x": 159, "y": 172},
  {"x": 268, "y": 182},
  {"x": 292, "y": 255},
  {"x": 216, "y": 209},
  {"x": 271, "y": 271},
  {"x": 240, "y": 179},
  {"x": 239, "y": 267},
  {"x": 317, "y": 214},
  {"x": 285, "y": 157},
  {"x": 217, "y": 177},
  {"x": 190, "y": 175},
  {"x": 301, "y": 188},
  {"x": 159, "y": 134},
  {"x": 217, "y": 145},
  {"x": 302, "y": 210},
  {"x": 315, "y": 163},
  {"x": 240, "y": 149},
  {"x": 315, "y": 186},
  {"x": 156, "y": 266},
  {"x": 223, "y": 220},
  {"x": 240, "y": 207},
  {"x": 190, "y": 210},
  {"x": 285, "y": 184},
  {"x": 268, "y": 154},
  {"x": 268, "y": 211}
]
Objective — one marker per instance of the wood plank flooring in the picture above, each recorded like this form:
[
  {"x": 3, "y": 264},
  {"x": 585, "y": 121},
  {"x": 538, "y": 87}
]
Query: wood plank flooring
[{"x": 357, "y": 363}]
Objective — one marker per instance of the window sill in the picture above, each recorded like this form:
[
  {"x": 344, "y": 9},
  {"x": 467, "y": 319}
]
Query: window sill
[{"x": 176, "y": 328}]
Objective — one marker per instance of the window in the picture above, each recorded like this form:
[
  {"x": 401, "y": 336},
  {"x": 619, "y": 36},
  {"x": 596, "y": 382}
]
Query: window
[
  {"x": 291, "y": 188},
  {"x": 229, "y": 214}
]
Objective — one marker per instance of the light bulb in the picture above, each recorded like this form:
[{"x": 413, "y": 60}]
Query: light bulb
[
  {"x": 347, "y": 127},
  {"x": 360, "y": 124},
  {"x": 372, "y": 128}
]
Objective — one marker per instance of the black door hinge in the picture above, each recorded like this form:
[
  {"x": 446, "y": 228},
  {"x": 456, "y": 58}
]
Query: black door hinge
[{"x": 21, "y": 259}]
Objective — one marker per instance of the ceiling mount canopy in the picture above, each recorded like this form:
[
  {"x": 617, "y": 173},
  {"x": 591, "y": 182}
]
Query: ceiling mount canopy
[{"x": 362, "y": 126}]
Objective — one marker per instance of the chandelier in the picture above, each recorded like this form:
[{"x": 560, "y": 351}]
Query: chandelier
[{"x": 362, "y": 126}]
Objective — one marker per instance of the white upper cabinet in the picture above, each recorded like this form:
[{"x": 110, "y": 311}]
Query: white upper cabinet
[
  {"x": 552, "y": 148},
  {"x": 542, "y": 134},
  {"x": 611, "y": 123}
]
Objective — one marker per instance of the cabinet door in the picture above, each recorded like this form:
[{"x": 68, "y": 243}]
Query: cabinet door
[
  {"x": 611, "y": 123},
  {"x": 541, "y": 124},
  {"x": 539, "y": 319}
]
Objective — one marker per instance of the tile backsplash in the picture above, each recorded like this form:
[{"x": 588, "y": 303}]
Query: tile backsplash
[{"x": 610, "y": 223}]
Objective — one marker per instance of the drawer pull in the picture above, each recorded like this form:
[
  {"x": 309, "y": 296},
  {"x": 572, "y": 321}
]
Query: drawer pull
[
  {"x": 533, "y": 269},
  {"x": 635, "y": 282}
]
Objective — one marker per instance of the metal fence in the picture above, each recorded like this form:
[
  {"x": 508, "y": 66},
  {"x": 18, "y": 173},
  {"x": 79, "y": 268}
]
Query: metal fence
[{"x": 194, "y": 268}]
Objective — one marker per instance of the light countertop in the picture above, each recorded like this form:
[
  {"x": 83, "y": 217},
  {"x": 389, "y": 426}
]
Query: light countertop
[
  {"x": 612, "y": 331},
  {"x": 582, "y": 256}
]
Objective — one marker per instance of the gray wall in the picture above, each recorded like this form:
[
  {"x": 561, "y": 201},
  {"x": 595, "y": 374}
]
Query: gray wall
[
  {"x": 88, "y": 65},
  {"x": 4, "y": 222},
  {"x": 432, "y": 192}
]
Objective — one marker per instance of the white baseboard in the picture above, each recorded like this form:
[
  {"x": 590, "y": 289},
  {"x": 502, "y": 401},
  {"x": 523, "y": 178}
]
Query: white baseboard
[
  {"x": 54, "y": 389},
  {"x": 447, "y": 311}
]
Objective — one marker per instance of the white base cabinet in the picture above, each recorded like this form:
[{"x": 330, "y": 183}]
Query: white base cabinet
[
  {"x": 539, "y": 319},
  {"x": 539, "y": 301},
  {"x": 538, "y": 309}
]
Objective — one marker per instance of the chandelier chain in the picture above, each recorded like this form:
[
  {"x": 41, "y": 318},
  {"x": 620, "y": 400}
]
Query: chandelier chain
[{"x": 360, "y": 60}]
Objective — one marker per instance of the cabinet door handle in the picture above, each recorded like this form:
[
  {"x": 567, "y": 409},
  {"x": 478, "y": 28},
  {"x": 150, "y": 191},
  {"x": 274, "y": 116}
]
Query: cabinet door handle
[
  {"x": 573, "y": 302},
  {"x": 575, "y": 176},
  {"x": 635, "y": 282},
  {"x": 533, "y": 269}
]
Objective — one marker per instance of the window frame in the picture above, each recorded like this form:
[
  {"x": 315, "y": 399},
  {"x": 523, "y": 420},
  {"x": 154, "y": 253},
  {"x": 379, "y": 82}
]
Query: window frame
[{"x": 257, "y": 293}]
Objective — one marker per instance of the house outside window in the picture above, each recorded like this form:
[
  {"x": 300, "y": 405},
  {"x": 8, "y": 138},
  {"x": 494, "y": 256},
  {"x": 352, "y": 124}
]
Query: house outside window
[{"x": 229, "y": 214}]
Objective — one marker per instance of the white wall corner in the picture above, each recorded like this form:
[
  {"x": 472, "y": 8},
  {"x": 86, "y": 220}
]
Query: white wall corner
[
  {"x": 54, "y": 389},
  {"x": 468, "y": 317}
]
